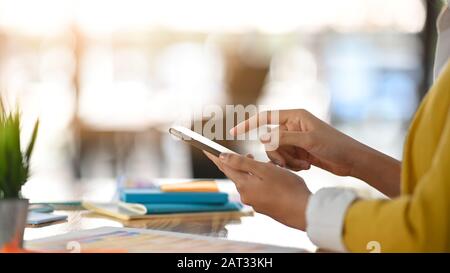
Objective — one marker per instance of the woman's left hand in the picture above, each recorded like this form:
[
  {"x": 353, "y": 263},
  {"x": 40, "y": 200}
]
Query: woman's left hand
[{"x": 269, "y": 189}]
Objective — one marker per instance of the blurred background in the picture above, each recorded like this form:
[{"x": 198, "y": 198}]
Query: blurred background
[{"x": 107, "y": 77}]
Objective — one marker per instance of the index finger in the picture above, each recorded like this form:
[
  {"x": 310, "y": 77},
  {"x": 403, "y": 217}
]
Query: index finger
[
  {"x": 275, "y": 117},
  {"x": 215, "y": 160},
  {"x": 255, "y": 121},
  {"x": 244, "y": 164}
]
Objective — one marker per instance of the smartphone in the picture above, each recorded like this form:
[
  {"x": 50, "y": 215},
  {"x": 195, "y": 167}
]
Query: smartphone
[
  {"x": 198, "y": 141},
  {"x": 38, "y": 218}
]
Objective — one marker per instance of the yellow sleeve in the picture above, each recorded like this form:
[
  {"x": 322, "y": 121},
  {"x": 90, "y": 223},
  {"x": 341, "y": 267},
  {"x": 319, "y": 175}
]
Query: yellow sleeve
[{"x": 417, "y": 222}]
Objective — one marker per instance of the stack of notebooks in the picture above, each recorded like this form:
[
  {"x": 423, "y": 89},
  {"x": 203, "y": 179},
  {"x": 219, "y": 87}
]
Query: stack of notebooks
[{"x": 169, "y": 200}]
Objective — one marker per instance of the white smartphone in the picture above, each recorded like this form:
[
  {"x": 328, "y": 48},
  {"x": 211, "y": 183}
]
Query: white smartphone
[{"x": 198, "y": 140}]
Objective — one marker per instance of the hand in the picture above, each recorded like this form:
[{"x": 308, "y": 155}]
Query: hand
[
  {"x": 269, "y": 189},
  {"x": 305, "y": 140}
]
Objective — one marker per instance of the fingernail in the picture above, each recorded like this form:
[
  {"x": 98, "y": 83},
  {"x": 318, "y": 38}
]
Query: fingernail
[
  {"x": 265, "y": 138},
  {"x": 278, "y": 163},
  {"x": 223, "y": 156},
  {"x": 231, "y": 131}
]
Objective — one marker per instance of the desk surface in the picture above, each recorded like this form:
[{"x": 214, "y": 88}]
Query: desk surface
[{"x": 257, "y": 228}]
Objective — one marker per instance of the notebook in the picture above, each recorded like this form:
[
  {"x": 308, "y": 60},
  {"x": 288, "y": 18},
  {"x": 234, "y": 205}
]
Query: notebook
[
  {"x": 180, "y": 208},
  {"x": 155, "y": 196},
  {"x": 193, "y": 186},
  {"x": 127, "y": 213}
]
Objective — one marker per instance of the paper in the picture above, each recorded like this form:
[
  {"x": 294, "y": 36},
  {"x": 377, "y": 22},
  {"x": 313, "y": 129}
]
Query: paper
[{"x": 143, "y": 240}]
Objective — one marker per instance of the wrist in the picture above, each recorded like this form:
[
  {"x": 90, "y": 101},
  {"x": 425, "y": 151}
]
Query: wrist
[
  {"x": 378, "y": 170},
  {"x": 360, "y": 159},
  {"x": 300, "y": 217}
]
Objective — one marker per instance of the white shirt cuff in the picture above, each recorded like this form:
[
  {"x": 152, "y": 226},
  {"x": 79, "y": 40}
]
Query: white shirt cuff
[{"x": 325, "y": 215}]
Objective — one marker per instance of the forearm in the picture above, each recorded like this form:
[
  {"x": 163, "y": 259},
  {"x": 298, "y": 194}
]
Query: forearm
[{"x": 378, "y": 170}]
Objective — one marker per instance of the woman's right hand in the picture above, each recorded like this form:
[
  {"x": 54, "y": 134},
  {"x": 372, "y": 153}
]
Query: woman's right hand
[{"x": 303, "y": 140}]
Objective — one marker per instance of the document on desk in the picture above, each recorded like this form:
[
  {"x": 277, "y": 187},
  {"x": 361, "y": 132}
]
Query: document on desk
[{"x": 144, "y": 240}]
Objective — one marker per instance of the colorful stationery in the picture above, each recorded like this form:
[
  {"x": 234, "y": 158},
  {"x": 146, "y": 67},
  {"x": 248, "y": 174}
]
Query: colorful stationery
[
  {"x": 153, "y": 196},
  {"x": 128, "y": 212},
  {"x": 143, "y": 240},
  {"x": 180, "y": 208},
  {"x": 193, "y": 186}
]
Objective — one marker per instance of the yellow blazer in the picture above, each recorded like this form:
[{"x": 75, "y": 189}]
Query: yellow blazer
[{"x": 419, "y": 219}]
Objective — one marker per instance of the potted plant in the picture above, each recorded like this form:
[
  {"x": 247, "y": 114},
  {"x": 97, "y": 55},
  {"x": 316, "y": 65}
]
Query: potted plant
[{"x": 14, "y": 173}]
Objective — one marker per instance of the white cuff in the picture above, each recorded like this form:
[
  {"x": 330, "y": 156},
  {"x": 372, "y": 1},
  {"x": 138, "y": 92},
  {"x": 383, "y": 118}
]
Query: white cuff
[{"x": 325, "y": 215}]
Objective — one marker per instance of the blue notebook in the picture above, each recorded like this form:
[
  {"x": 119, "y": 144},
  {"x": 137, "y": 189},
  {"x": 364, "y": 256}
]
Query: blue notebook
[
  {"x": 155, "y": 196},
  {"x": 183, "y": 208}
]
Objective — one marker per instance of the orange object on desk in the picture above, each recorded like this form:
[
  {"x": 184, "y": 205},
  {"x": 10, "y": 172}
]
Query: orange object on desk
[
  {"x": 194, "y": 186},
  {"x": 14, "y": 247}
]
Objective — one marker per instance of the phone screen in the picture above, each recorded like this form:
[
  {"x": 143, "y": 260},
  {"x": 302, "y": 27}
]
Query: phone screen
[{"x": 198, "y": 140}]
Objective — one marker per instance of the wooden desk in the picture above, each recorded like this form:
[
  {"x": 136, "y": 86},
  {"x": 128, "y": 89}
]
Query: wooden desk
[{"x": 258, "y": 228}]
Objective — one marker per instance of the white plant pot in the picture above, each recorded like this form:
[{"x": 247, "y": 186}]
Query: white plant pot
[{"x": 13, "y": 218}]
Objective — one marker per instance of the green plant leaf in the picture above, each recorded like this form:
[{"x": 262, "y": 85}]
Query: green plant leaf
[
  {"x": 14, "y": 165},
  {"x": 32, "y": 142}
]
